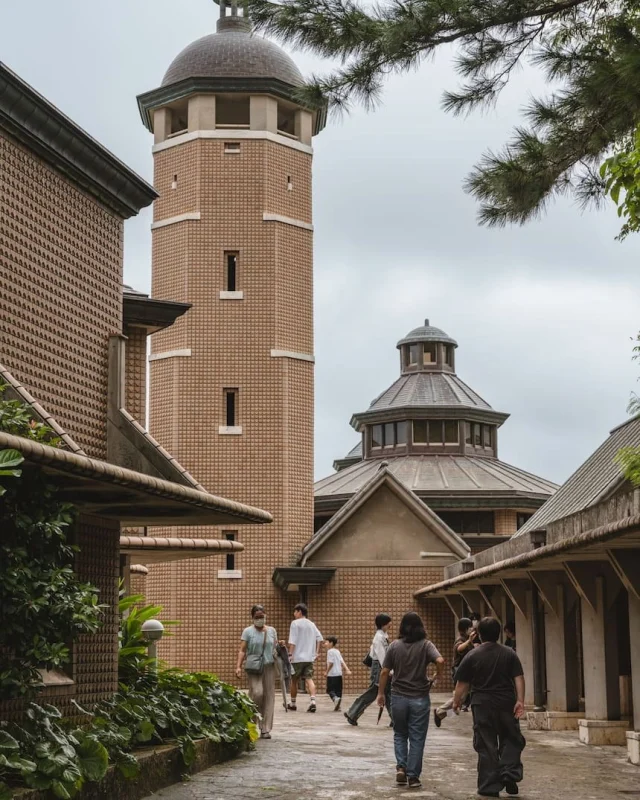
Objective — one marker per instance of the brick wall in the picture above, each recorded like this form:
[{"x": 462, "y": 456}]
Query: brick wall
[
  {"x": 271, "y": 464},
  {"x": 136, "y": 372},
  {"x": 60, "y": 273},
  {"x": 348, "y": 604},
  {"x": 95, "y": 656}
]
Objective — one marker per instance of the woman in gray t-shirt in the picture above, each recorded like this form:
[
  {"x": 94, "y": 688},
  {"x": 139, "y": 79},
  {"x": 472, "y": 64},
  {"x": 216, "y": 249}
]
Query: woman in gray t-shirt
[
  {"x": 257, "y": 652},
  {"x": 408, "y": 658}
]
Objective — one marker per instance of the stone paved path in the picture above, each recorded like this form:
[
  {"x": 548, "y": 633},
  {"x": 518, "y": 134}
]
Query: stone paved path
[{"x": 321, "y": 757}]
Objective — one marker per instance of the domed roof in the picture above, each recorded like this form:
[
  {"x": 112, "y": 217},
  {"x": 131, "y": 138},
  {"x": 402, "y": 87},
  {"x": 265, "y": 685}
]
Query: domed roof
[
  {"x": 427, "y": 333},
  {"x": 233, "y": 52}
]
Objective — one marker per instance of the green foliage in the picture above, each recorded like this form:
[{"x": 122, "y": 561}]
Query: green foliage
[
  {"x": 42, "y": 753},
  {"x": 16, "y": 418},
  {"x": 588, "y": 50},
  {"x": 133, "y": 661},
  {"x": 621, "y": 174},
  {"x": 9, "y": 460},
  {"x": 172, "y": 706},
  {"x": 43, "y": 605}
]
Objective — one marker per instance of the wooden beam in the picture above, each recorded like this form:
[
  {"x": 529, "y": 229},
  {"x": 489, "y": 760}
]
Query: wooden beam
[
  {"x": 626, "y": 564},
  {"x": 516, "y": 590}
]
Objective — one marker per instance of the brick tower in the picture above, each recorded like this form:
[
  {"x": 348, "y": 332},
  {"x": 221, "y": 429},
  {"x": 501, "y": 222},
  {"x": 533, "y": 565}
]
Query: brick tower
[{"x": 232, "y": 380}]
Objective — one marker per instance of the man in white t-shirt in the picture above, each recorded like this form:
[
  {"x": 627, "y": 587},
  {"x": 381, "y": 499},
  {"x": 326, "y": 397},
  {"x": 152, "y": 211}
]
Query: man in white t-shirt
[{"x": 304, "y": 647}]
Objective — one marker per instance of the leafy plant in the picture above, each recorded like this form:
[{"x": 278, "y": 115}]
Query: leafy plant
[
  {"x": 133, "y": 660},
  {"x": 41, "y": 754},
  {"x": 43, "y": 605},
  {"x": 9, "y": 460}
]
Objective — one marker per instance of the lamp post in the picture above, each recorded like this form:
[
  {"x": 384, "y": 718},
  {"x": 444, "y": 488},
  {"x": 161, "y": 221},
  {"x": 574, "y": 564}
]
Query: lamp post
[{"x": 152, "y": 631}]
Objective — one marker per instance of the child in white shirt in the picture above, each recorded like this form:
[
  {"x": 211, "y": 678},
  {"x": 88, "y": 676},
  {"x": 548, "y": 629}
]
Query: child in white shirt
[{"x": 333, "y": 674}]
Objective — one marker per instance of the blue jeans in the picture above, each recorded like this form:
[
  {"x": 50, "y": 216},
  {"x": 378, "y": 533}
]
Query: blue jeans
[{"x": 410, "y": 717}]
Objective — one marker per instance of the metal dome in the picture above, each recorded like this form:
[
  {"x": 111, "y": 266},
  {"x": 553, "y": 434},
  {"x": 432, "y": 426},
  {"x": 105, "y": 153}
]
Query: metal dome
[
  {"x": 427, "y": 333},
  {"x": 233, "y": 52}
]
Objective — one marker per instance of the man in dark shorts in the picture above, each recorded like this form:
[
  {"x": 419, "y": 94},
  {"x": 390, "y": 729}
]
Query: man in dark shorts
[{"x": 495, "y": 677}]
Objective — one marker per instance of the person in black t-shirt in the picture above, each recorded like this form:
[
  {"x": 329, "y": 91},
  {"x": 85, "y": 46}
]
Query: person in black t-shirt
[
  {"x": 494, "y": 675},
  {"x": 510, "y": 635}
]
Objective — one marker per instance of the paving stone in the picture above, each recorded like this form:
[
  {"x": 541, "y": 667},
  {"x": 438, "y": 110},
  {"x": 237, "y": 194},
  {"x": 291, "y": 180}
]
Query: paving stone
[{"x": 321, "y": 757}]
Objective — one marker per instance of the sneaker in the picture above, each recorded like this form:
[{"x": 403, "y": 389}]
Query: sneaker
[
  {"x": 350, "y": 720},
  {"x": 436, "y": 718},
  {"x": 265, "y": 735},
  {"x": 489, "y": 794},
  {"x": 292, "y": 707},
  {"x": 511, "y": 787},
  {"x": 336, "y": 703},
  {"x": 401, "y": 776},
  {"x": 312, "y": 708},
  {"x": 414, "y": 783}
]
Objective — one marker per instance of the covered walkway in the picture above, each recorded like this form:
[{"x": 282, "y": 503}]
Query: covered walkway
[{"x": 320, "y": 757}]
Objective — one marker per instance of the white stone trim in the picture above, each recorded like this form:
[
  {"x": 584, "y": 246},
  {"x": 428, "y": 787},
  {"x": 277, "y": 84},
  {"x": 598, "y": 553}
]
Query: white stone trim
[
  {"x": 162, "y": 223},
  {"x": 230, "y": 430},
  {"x": 298, "y": 223},
  {"x": 233, "y": 135},
  {"x": 230, "y": 573},
  {"x": 438, "y": 554},
  {"x": 170, "y": 354},
  {"x": 232, "y": 295},
  {"x": 289, "y": 354}
]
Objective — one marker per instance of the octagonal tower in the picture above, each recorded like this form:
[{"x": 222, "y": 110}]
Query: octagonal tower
[{"x": 232, "y": 381}]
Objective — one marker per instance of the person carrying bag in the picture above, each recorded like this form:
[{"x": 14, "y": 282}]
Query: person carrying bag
[{"x": 257, "y": 653}]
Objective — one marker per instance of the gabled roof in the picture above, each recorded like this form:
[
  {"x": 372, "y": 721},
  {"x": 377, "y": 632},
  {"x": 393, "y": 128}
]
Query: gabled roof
[
  {"x": 441, "y": 475},
  {"x": 594, "y": 480},
  {"x": 383, "y": 477},
  {"x": 16, "y": 391}
]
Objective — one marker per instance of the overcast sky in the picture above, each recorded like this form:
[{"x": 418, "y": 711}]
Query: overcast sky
[{"x": 544, "y": 315}]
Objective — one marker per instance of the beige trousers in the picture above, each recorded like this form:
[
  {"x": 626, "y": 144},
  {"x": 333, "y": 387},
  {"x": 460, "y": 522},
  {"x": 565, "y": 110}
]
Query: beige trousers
[{"x": 262, "y": 690}]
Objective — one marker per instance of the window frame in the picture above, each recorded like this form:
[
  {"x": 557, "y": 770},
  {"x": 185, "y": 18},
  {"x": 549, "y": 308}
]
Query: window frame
[{"x": 230, "y": 395}]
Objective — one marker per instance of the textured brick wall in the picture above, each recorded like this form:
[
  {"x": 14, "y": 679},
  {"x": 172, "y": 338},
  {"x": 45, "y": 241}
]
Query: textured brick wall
[
  {"x": 60, "y": 273},
  {"x": 95, "y": 657},
  {"x": 348, "y": 604},
  {"x": 136, "y": 373},
  {"x": 271, "y": 464},
  {"x": 506, "y": 521}
]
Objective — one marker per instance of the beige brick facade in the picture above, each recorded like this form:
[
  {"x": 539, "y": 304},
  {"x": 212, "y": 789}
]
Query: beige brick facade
[
  {"x": 61, "y": 274},
  {"x": 230, "y": 344}
]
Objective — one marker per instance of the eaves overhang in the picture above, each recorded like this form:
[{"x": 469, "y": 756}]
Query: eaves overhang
[
  {"x": 44, "y": 129},
  {"x": 154, "y": 315},
  {"x": 161, "y": 549},
  {"x": 286, "y": 578},
  {"x": 412, "y": 412},
  {"x": 165, "y": 95},
  {"x": 105, "y": 490}
]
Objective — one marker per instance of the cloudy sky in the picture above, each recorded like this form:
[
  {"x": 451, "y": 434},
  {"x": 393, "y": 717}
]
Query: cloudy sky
[{"x": 544, "y": 315}]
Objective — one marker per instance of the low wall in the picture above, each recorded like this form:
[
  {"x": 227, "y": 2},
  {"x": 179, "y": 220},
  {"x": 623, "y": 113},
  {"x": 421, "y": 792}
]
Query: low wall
[{"x": 160, "y": 766}]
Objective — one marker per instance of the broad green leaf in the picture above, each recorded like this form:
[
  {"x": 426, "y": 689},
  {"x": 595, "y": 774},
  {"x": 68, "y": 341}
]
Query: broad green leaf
[
  {"x": 60, "y": 790},
  {"x": 7, "y": 742},
  {"x": 93, "y": 758},
  {"x": 9, "y": 459},
  {"x": 5, "y": 792}
]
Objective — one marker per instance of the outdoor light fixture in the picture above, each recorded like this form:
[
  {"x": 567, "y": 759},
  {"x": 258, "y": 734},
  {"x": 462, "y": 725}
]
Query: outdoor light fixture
[{"x": 152, "y": 631}]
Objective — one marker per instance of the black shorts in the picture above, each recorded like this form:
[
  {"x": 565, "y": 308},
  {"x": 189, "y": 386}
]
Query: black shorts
[{"x": 334, "y": 685}]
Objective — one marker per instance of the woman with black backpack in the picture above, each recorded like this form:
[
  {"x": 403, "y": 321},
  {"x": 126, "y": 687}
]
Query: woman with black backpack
[{"x": 374, "y": 659}]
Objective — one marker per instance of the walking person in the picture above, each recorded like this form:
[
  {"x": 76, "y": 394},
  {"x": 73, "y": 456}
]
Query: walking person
[
  {"x": 510, "y": 635},
  {"x": 377, "y": 653},
  {"x": 334, "y": 670},
  {"x": 257, "y": 653},
  {"x": 464, "y": 644},
  {"x": 494, "y": 674},
  {"x": 408, "y": 658},
  {"x": 304, "y": 648}
]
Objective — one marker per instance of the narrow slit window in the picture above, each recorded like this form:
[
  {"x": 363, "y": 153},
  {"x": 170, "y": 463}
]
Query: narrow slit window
[
  {"x": 231, "y": 267},
  {"x": 231, "y": 557},
  {"x": 231, "y": 407},
  {"x": 486, "y": 435}
]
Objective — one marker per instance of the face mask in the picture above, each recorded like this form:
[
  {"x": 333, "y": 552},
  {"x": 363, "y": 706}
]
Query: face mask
[{"x": 259, "y": 623}]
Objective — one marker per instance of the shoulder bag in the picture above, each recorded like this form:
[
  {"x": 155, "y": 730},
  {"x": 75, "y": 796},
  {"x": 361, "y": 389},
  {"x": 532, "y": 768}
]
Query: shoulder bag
[{"x": 254, "y": 664}]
